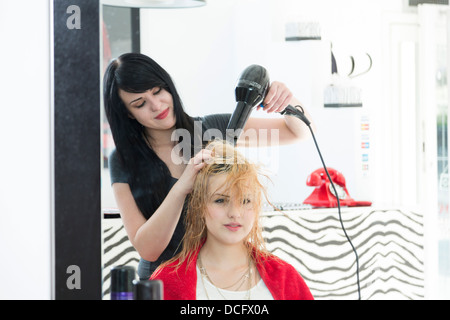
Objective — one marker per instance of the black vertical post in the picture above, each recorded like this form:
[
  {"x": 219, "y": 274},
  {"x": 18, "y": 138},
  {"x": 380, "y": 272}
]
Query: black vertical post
[
  {"x": 135, "y": 30},
  {"x": 77, "y": 220}
]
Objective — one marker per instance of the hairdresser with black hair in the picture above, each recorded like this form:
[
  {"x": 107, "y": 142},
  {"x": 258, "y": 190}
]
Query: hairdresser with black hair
[{"x": 150, "y": 181}]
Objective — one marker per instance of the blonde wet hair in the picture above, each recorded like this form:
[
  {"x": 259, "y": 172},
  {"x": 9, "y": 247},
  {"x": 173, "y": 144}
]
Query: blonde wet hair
[{"x": 242, "y": 180}]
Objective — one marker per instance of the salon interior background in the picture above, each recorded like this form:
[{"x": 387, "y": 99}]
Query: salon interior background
[{"x": 210, "y": 43}]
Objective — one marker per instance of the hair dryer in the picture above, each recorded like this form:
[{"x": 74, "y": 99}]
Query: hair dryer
[{"x": 250, "y": 92}]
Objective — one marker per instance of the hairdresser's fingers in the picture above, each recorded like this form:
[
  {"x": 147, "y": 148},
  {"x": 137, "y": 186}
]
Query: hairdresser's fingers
[
  {"x": 201, "y": 157},
  {"x": 277, "y": 97},
  {"x": 281, "y": 103},
  {"x": 270, "y": 96},
  {"x": 284, "y": 102},
  {"x": 194, "y": 165},
  {"x": 199, "y": 166}
]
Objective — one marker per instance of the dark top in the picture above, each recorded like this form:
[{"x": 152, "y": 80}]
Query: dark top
[{"x": 216, "y": 124}]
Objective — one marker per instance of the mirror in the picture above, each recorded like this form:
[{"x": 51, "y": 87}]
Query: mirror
[
  {"x": 212, "y": 45},
  {"x": 120, "y": 34},
  {"x": 205, "y": 45}
]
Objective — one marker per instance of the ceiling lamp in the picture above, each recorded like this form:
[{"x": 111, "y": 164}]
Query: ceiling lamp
[{"x": 161, "y": 4}]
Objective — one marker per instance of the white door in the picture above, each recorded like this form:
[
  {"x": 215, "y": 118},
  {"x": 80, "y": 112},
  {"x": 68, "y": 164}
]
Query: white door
[{"x": 434, "y": 36}]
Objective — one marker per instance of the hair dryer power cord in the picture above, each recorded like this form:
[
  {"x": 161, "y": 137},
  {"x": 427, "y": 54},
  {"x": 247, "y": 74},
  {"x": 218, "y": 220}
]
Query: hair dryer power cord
[{"x": 290, "y": 110}]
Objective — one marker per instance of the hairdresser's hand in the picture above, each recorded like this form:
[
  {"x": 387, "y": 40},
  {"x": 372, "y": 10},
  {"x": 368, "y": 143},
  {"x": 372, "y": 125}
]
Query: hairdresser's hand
[
  {"x": 277, "y": 98},
  {"x": 195, "y": 164}
]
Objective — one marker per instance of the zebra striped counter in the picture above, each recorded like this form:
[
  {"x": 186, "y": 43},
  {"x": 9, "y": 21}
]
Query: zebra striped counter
[
  {"x": 117, "y": 249},
  {"x": 389, "y": 243}
]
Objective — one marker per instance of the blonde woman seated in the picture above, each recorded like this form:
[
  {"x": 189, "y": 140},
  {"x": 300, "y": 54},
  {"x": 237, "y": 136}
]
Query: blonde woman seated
[{"x": 223, "y": 254}]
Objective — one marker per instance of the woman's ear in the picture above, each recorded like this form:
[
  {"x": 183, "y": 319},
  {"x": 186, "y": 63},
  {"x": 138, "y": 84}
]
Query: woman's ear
[{"x": 131, "y": 116}]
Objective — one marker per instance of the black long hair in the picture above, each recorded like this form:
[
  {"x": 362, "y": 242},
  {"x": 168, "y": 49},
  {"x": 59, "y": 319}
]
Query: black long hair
[{"x": 149, "y": 175}]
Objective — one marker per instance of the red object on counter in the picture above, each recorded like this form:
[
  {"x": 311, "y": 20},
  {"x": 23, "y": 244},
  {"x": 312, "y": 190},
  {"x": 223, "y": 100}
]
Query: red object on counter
[{"x": 324, "y": 194}]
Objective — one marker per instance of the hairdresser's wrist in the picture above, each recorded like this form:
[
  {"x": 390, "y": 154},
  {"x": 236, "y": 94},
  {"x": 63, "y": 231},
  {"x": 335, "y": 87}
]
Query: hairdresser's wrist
[
  {"x": 298, "y": 127},
  {"x": 180, "y": 189}
]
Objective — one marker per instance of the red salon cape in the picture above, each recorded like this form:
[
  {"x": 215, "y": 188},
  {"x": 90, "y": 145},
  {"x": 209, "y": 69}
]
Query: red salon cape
[{"x": 282, "y": 280}]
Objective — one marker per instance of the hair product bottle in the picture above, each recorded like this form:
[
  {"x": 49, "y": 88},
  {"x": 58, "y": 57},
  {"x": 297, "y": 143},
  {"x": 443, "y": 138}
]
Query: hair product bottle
[{"x": 122, "y": 282}]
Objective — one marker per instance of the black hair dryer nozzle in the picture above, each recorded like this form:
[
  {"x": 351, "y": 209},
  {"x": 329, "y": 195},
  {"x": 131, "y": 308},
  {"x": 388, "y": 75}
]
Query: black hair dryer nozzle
[{"x": 250, "y": 92}]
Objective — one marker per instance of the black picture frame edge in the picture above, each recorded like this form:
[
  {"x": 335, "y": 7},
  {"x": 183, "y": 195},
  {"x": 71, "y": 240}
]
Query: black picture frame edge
[
  {"x": 68, "y": 188},
  {"x": 76, "y": 203}
]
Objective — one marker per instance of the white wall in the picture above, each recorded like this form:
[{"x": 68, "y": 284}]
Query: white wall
[
  {"x": 205, "y": 49},
  {"x": 25, "y": 195}
]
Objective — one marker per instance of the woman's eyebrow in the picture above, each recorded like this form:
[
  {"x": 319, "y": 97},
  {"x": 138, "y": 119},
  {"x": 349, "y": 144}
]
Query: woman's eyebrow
[
  {"x": 220, "y": 194},
  {"x": 135, "y": 100}
]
